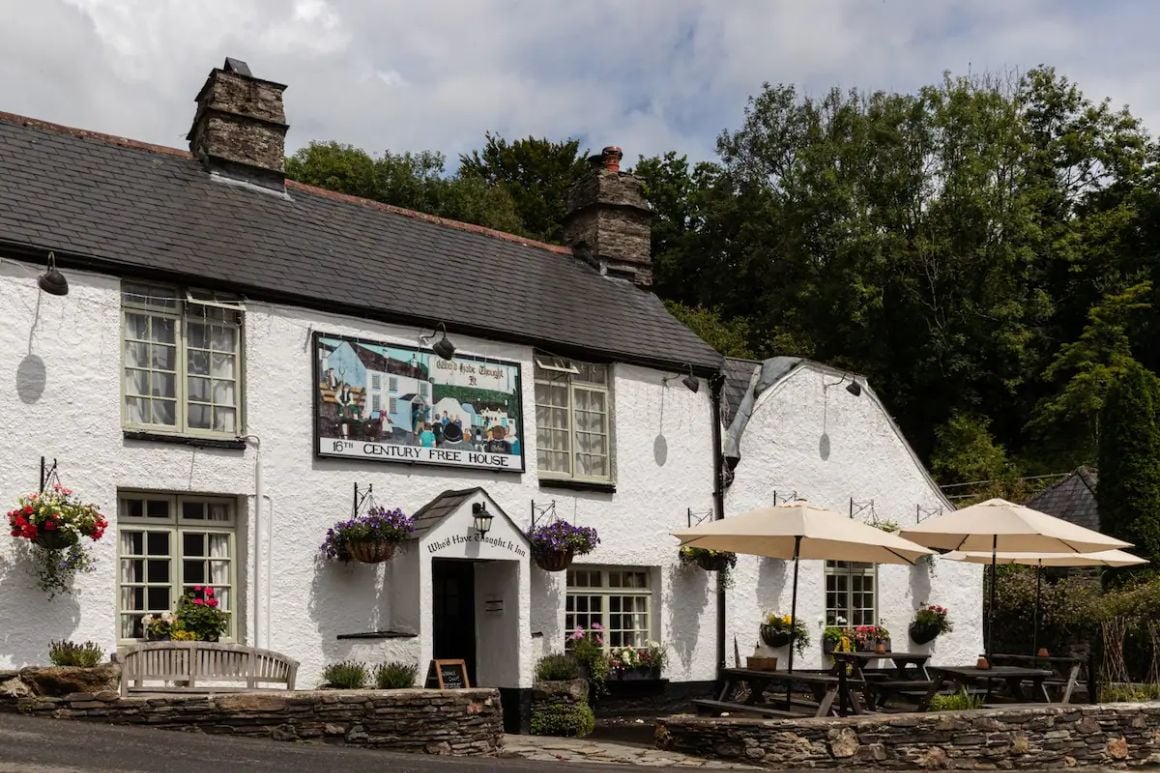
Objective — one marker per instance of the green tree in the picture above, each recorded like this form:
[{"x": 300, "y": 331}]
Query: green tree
[
  {"x": 1087, "y": 368},
  {"x": 730, "y": 337},
  {"x": 1129, "y": 462},
  {"x": 535, "y": 173},
  {"x": 966, "y": 452}
]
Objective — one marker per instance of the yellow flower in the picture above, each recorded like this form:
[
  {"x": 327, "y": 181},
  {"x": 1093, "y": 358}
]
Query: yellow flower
[{"x": 786, "y": 619}]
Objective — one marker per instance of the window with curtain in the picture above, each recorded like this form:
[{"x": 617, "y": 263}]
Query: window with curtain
[
  {"x": 573, "y": 420},
  {"x": 181, "y": 360},
  {"x": 166, "y": 545},
  {"x": 620, "y": 600},
  {"x": 851, "y": 593}
]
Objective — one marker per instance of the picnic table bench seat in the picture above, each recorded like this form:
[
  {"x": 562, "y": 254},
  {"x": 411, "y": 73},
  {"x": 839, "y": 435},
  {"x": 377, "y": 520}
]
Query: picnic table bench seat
[{"x": 202, "y": 667}]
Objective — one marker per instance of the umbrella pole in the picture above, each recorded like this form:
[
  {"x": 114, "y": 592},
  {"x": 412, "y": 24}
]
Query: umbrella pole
[
  {"x": 797, "y": 543},
  {"x": 991, "y": 607},
  {"x": 1038, "y": 596}
]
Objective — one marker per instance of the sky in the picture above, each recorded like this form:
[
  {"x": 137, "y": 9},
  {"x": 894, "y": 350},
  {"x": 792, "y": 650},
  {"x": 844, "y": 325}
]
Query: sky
[{"x": 648, "y": 75}]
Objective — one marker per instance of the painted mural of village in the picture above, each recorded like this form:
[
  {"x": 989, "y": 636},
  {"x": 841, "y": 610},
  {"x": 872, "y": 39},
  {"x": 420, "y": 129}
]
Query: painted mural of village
[{"x": 406, "y": 404}]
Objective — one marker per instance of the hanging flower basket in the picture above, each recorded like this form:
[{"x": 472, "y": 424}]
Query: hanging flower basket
[
  {"x": 555, "y": 544},
  {"x": 55, "y": 540},
  {"x": 371, "y": 551},
  {"x": 554, "y": 562},
  {"x": 53, "y": 521},
  {"x": 709, "y": 560},
  {"x": 369, "y": 538},
  {"x": 930, "y": 620},
  {"x": 775, "y": 637},
  {"x": 921, "y": 633}
]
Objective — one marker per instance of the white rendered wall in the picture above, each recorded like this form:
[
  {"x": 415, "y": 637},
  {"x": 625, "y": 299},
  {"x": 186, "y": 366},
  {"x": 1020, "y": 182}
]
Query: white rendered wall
[
  {"x": 60, "y": 397},
  {"x": 868, "y": 460}
]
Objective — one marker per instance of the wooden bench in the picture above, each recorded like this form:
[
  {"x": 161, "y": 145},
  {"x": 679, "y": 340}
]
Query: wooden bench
[
  {"x": 201, "y": 666},
  {"x": 716, "y": 708}
]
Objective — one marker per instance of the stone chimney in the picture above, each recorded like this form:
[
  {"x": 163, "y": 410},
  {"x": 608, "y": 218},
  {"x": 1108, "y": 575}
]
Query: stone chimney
[
  {"x": 608, "y": 220},
  {"x": 239, "y": 130}
]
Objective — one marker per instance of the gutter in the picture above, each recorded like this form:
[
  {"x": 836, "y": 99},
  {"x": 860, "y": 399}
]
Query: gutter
[{"x": 716, "y": 385}]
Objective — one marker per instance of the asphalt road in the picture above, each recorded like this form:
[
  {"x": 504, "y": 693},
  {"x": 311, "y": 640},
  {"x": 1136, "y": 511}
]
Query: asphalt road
[{"x": 29, "y": 744}]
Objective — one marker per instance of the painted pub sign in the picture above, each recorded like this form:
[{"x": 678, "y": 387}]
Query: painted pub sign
[{"x": 394, "y": 403}]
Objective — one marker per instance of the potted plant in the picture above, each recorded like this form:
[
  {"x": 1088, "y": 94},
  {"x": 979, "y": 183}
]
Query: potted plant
[
  {"x": 198, "y": 613},
  {"x": 868, "y": 638},
  {"x": 53, "y": 522},
  {"x": 555, "y": 544},
  {"x": 930, "y": 620},
  {"x": 778, "y": 630},
  {"x": 369, "y": 538},
  {"x": 836, "y": 638},
  {"x": 587, "y": 646},
  {"x": 158, "y": 627},
  {"x": 629, "y": 663}
]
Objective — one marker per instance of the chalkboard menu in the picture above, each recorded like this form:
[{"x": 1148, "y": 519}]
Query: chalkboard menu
[{"x": 447, "y": 675}]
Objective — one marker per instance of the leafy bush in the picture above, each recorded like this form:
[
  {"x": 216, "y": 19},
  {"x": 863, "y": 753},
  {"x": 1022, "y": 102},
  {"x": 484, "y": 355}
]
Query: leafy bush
[
  {"x": 67, "y": 653},
  {"x": 588, "y": 649},
  {"x": 198, "y": 613},
  {"x": 562, "y": 719},
  {"x": 957, "y": 702},
  {"x": 557, "y": 668},
  {"x": 347, "y": 675},
  {"x": 395, "y": 675},
  {"x": 1129, "y": 693}
]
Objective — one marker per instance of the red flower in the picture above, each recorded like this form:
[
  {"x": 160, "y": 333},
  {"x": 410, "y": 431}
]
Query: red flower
[
  {"x": 28, "y": 510},
  {"x": 212, "y": 602},
  {"x": 208, "y": 591},
  {"x": 198, "y": 602},
  {"x": 197, "y": 588},
  {"x": 50, "y": 525}
]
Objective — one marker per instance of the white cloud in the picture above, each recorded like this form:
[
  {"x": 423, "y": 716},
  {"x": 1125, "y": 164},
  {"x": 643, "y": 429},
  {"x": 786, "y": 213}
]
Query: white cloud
[{"x": 649, "y": 75}]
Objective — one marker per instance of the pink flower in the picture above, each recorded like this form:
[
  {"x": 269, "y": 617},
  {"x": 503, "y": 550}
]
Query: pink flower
[
  {"x": 208, "y": 591},
  {"x": 198, "y": 602},
  {"x": 597, "y": 627},
  {"x": 577, "y": 634},
  {"x": 212, "y": 602},
  {"x": 197, "y": 588}
]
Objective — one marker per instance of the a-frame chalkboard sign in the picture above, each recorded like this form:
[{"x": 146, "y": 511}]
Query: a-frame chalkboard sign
[{"x": 447, "y": 675}]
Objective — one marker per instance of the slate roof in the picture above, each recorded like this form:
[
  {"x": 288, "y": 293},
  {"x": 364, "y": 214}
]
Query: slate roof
[
  {"x": 1072, "y": 499},
  {"x": 130, "y": 208},
  {"x": 738, "y": 374},
  {"x": 431, "y": 514}
]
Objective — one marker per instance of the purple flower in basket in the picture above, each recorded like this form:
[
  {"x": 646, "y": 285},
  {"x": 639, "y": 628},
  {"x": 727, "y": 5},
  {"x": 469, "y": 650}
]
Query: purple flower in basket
[
  {"x": 560, "y": 537},
  {"x": 378, "y": 523}
]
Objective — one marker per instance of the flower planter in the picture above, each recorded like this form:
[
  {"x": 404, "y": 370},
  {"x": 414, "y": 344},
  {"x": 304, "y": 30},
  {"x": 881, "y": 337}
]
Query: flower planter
[
  {"x": 55, "y": 540},
  {"x": 923, "y": 634},
  {"x": 774, "y": 637},
  {"x": 372, "y": 551},
  {"x": 636, "y": 674},
  {"x": 554, "y": 562},
  {"x": 829, "y": 646}
]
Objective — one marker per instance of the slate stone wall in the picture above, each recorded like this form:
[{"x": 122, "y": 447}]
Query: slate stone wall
[
  {"x": 1120, "y": 735},
  {"x": 447, "y": 722}
]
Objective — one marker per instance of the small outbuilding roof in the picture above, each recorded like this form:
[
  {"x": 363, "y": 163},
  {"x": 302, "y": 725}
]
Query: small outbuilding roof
[{"x": 1072, "y": 499}]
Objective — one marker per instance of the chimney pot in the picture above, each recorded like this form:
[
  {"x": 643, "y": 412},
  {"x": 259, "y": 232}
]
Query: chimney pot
[{"x": 611, "y": 158}]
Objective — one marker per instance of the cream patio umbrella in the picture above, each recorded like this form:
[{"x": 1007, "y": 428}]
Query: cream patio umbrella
[
  {"x": 1109, "y": 558},
  {"x": 797, "y": 530},
  {"x": 998, "y": 525}
]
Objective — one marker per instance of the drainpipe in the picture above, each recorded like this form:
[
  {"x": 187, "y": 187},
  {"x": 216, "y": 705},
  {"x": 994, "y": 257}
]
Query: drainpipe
[
  {"x": 716, "y": 383},
  {"x": 258, "y": 622}
]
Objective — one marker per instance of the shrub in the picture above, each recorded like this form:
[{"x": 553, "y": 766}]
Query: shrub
[
  {"x": 557, "y": 668},
  {"x": 1129, "y": 693},
  {"x": 395, "y": 675},
  {"x": 562, "y": 719},
  {"x": 347, "y": 675},
  {"x": 957, "y": 702},
  {"x": 67, "y": 653}
]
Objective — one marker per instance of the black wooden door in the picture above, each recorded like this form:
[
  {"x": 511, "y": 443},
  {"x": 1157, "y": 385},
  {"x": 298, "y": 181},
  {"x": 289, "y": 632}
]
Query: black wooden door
[{"x": 453, "y": 586}]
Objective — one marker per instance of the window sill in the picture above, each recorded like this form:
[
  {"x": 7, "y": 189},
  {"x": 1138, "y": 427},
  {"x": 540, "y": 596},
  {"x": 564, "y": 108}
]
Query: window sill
[
  {"x": 233, "y": 444},
  {"x": 377, "y": 635},
  {"x": 578, "y": 485}
]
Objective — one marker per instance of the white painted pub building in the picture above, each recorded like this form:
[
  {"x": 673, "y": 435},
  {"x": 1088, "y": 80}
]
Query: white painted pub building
[{"x": 240, "y": 360}]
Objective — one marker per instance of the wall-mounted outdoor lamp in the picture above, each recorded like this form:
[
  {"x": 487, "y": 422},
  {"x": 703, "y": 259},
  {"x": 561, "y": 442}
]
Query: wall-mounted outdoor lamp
[
  {"x": 52, "y": 281},
  {"x": 444, "y": 348},
  {"x": 482, "y": 518}
]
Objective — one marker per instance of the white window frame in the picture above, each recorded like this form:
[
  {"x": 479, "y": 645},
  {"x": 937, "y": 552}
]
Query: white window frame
[
  {"x": 182, "y": 311},
  {"x": 851, "y": 570},
  {"x": 606, "y": 591},
  {"x": 176, "y": 525},
  {"x": 552, "y": 371}
]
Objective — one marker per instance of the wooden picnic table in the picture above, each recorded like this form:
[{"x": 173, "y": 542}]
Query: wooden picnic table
[
  {"x": 965, "y": 677},
  {"x": 826, "y": 688},
  {"x": 1066, "y": 670},
  {"x": 908, "y": 677}
]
